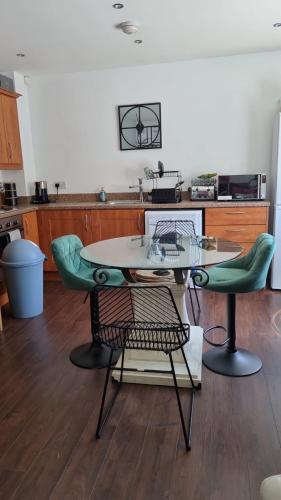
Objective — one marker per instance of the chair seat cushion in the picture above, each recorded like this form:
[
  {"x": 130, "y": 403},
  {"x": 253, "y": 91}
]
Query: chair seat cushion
[
  {"x": 221, "y": 274},
  {"x": 226, "y": 280}
]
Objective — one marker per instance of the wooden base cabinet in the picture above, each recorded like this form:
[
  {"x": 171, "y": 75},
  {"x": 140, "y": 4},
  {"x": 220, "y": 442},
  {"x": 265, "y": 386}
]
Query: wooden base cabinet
[
  {"x": 89, "y": 225},
  {"x": 240, "y": 224},
  {"x": 30, "y": 227},
  {"x": 55, "y": 223},
  {"x": 108, "y": 224}
]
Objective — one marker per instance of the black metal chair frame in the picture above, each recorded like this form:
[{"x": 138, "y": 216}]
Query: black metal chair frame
[
  {"x": 169, "y": 231},
  {"x": 230, "y": 360},
  {"x": 122, "y": 335}
]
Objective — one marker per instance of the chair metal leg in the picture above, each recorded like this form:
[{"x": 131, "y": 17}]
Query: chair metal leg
[
  {"x": 187, "y": 434},
  {"x": 187, "y": 367},
  {"x": 93, "y": 354},
  {"x": 231, "y": 361},
  {"x": 192, "y": 305},
  {"x": 122, "y": 366},
  {"x": 102, "y": 420}
]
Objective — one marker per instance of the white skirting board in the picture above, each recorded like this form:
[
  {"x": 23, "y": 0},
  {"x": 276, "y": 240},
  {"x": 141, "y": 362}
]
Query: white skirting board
[{"x": 144, "y": 360}]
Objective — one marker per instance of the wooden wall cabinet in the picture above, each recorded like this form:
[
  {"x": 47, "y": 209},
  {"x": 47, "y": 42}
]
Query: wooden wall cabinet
[
  {"x": 108, "y": 224},
  {"x": 30, "y": 227},
  {"x": 10, "y": 145},
  {"x": 55, "y": 223},
  {"x": 240, "y": 224}
]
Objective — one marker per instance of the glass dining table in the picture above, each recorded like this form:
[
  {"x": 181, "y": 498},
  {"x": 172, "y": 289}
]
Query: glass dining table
[{"x": 159, "y": 257}]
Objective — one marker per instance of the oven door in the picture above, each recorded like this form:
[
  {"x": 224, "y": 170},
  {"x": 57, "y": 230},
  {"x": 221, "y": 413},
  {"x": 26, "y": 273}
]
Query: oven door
[{"x": 4, "y": 241}]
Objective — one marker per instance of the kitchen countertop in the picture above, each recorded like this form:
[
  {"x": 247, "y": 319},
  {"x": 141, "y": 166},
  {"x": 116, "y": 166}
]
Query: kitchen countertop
[{"x": 92, "y": 205}]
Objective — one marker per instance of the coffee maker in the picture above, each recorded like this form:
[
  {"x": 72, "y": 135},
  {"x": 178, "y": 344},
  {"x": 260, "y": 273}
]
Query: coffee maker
[{"x": 41, "y": 193}]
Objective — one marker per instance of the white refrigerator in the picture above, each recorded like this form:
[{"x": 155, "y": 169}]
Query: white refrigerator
[{"x": 276, "y": 205}]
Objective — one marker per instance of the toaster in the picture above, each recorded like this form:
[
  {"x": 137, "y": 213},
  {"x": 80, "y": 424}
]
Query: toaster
[{"x": 202, "y": 192}]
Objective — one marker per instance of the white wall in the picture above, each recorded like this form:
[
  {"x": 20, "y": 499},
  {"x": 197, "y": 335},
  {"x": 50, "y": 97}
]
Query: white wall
[{"x": 217, "y": 115}]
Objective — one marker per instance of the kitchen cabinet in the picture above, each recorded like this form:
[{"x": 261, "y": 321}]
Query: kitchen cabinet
[
  {"x": 240, "y": 224},
  {"x": 30, "y": 227},
  {"x": 10, "y": 145},
  {"x": 108, "y": 224},
  {"x": 55, "y": 223}
]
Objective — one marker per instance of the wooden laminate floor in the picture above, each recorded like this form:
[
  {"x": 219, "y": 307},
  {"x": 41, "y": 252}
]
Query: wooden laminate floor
[{"x": 48, "y": 413}]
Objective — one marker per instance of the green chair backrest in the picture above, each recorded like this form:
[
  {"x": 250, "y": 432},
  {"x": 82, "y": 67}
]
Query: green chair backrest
[{"x": 66, "y": 253}]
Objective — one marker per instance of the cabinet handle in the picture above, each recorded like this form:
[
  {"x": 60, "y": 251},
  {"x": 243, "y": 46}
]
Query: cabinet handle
[
  {"x": 234, "y": 213},
  {"x": 234, "y": 230}
]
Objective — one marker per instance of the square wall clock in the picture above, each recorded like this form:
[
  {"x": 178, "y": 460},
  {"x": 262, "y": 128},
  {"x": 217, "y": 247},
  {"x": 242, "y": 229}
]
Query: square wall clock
[{"x": 140, "y": 126}]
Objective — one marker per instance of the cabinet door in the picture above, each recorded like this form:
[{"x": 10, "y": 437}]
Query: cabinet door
[
  {"x": 3, "y": 145},
  {"x": 56, "y": 223},
  {"x": 109, "y": 223},
  {"x": 30, "y": 227},
  {"x": 11, "y": 125},
  {"x": 235, "y": 216}
]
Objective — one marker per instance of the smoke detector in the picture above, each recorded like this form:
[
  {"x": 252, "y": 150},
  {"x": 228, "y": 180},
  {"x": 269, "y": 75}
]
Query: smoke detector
[{"x": 128, "y": 27}]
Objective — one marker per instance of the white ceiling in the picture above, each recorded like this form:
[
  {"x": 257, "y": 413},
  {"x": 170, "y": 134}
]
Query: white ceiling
[{"x": 78, "y": 35}]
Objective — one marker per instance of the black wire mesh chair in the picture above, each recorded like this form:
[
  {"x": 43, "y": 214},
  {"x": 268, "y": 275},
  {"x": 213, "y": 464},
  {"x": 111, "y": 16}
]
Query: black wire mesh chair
[
  {"x": 145, "y": 318},
  {"x": 170, "y": 231}
]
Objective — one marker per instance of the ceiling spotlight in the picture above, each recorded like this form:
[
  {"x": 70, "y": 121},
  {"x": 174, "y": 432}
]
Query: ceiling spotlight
[
  {"x": 138, "y": 41},
  {"x": 20, "y": 54},
  {"x": 277, "y": 25},
  {"x": 118, "y": 5},
  {"x": 128, "y": 27}
]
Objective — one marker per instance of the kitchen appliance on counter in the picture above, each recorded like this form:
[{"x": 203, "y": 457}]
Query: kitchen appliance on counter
[
  {"x": 10, "y": 194},
  {"x": 41, "y": 193},
  {"x": 242, "y": 187},
  {"x": 168, "y": 194},
  {"x": 203, "y": 189}
]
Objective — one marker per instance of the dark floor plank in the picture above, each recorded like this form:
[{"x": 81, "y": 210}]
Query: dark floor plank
[
  {"x": 118, "y": 470},
  {"x": 8, "y": 480},
  {"x": 48, "y": 414},
  {"x": 155, "y": 462},
  {"x": 80, "y": 474},
  {"x": 215, "y": 468}
]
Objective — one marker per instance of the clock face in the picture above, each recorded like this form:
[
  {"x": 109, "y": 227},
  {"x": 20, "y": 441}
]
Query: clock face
[{"x": 140, "y": 126}]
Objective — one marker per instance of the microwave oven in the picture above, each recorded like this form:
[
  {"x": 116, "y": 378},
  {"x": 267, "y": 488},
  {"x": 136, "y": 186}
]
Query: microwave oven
[{"x": 242, "y": 187}]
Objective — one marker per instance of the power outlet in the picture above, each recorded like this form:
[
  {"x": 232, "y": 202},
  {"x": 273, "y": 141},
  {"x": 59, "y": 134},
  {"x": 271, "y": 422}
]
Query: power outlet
[{"x": 61, "y": 184}]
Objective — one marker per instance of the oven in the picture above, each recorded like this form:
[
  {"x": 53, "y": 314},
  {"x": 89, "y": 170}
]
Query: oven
[{"x": 11, "y": 228}]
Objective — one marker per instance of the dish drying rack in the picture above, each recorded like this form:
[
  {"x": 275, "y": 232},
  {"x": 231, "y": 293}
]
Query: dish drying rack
[{"x": 155, "y": 175}]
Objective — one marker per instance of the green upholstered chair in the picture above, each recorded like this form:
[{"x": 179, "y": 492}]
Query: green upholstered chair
[
  {"x": 78, "y": 274},
  {"x": 242, "y": 275}
]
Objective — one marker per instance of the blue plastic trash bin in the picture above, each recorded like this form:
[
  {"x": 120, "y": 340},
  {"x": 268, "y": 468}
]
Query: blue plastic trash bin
[{"x": 22, "y": 263}]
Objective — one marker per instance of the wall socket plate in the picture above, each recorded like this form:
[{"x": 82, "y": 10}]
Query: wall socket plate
[{"x": 62, "y": 184}]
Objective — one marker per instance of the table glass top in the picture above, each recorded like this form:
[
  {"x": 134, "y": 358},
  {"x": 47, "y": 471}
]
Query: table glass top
[{"x": 167, "y": 252}]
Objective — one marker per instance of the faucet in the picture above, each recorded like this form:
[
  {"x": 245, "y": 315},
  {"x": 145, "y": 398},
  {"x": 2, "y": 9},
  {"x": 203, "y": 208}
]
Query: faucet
[{"x": 140, "y": 186}]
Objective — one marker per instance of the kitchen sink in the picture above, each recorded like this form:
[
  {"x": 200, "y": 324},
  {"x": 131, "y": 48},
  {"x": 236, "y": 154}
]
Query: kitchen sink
[{"x": 124, "y": 202}]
